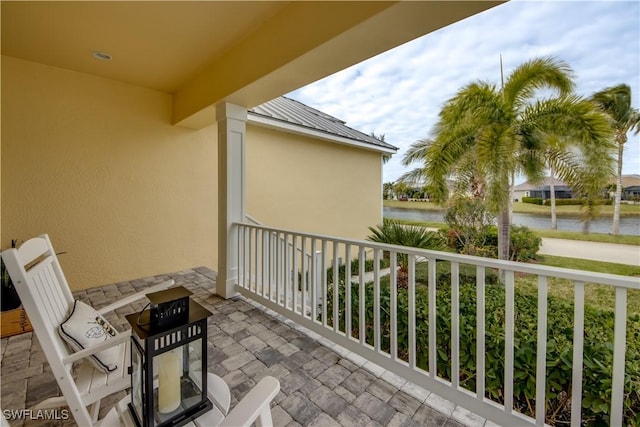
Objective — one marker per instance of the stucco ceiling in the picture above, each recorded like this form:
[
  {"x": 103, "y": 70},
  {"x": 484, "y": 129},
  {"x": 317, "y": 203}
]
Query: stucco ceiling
[
  {"x": 204, "y": 52},
  {"x": 159, "y": 45}
]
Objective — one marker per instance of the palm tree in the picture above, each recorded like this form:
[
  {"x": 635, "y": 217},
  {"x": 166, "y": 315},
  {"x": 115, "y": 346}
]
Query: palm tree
[
  {"x": 395, "y": 233},
  {"x": 558, "y": 155},
  {"x": 387, "y": 190},
  {"x": 400, "y": 189},
  {"x": 489, "y": 134},
  {"x": 385, "y": 157},
  {"x": 616, "y": 102}
]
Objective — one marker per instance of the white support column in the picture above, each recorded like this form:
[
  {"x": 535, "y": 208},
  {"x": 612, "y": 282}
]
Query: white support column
[{"x": 232, "y": 133}]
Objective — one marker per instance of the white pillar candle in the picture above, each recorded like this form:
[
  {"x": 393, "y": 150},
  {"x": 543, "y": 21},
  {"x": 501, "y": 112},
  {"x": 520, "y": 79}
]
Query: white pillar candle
[{"x": 168, "y": 382}]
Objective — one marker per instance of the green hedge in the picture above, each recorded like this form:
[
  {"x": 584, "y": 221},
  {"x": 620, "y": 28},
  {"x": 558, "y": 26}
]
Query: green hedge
[
  {"x": 532, "y": 200},
  {"x": 574, "y": 202},
  {"x": 598, "y": 346}
]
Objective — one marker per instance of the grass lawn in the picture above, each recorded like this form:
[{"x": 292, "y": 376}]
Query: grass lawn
[
  {"x": 427, "y": 206},
  {"x": 591, "y": 237},
  {"x": 598, "y": 296},
  {"x": 574, "y": 210}
]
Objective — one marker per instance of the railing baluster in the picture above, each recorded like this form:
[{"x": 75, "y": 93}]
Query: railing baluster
[
  {"x": 270, "y": 264},
  {"x": 266, "y": 238},
  {"x": 376, "y": 300},
  {"x": 361, "y": 295},
  {"x": 323, "y": 282},
  {"x": 619, "y": 348},
  {"x": 393, "y": 297},
  {"x": 287, "y": 271},
  {"x": 240, "y": 236},
  {"x": 261, "y": 262},
  {"x": 252, "y": 232},
  {"x": 347, "y": 291},
  {"x": 280, "y": 268},
  {"x": 314, "y": 281},
  {"x": 541, "y": 356},
  {"x": 336, "y": 288},
  {"x": 294, "y": 290},
  {"x": 411, "y": 310},
  {"x": 275, "y": 266},
  {"x": 578, "y": 345},
  {"x": 304, "y": 277},
  {"x": 433, "y": 367},
  {"x": 258, "y": 266},
  {"x": 480, "y": 332},
  {"x": 508, "y": 340},
  {"x": 455, "y": 324},
  {"x": 283, "y": 270}
]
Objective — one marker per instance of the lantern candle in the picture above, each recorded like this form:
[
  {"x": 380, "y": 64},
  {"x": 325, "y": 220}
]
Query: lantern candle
[{"x": 168, "y": 382}]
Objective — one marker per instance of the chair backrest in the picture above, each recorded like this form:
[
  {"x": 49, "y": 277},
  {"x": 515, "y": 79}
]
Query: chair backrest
[
  {"x": 38, "y": 278},
  {"x": 42, "y": 288}
]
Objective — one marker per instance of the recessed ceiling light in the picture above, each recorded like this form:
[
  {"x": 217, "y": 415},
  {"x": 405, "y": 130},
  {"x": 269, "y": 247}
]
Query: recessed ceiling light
[{"x": 101, "y": 55}]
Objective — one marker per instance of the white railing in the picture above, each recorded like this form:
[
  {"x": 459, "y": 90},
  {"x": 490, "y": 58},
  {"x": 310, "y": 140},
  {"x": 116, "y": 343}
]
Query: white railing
[{"x": 276, "y": 270}]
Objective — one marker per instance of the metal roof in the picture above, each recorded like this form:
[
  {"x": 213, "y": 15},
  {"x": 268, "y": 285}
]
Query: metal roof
[
  {"x": 294, "y": 113},
  {"x": 545, "y": 183}
]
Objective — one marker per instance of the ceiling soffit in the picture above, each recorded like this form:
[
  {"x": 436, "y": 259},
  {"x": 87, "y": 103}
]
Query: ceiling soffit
[{"x": 204, "y": 52}]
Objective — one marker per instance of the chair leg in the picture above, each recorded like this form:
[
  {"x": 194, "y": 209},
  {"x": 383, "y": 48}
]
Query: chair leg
[
  {"x": 94, "y": 410},
  {"x": 264, "y": 419}
]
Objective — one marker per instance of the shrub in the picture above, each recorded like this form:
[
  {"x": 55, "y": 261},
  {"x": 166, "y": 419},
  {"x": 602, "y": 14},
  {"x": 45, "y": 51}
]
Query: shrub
[
  {"x": 469, "y": 221},
  {"x": 355, "y": 267},
  {"x": 598, "y": 347},
  {"x": 532, "y": 200},
  {"x": 524, "y": 243}
]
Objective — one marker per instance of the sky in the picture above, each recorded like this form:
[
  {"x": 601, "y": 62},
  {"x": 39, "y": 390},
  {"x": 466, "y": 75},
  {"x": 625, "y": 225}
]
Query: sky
[{"x": 399, "y": 93}]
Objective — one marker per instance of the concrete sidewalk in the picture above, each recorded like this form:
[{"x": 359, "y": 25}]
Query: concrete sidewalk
[
  {"x": 608, "y": 252},
  {"x": 595, "y": 251}
]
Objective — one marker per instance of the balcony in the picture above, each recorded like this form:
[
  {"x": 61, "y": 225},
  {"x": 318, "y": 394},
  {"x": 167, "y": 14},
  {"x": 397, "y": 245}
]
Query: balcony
[
  {"x": 321, "y": 384},
  {"x": 407, "y": 367}
]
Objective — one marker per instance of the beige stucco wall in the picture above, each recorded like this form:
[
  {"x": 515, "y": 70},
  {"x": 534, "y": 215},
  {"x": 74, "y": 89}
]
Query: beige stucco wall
[
  {"x": 98, "y": 166},
  {"x": 305, "y": 184}
]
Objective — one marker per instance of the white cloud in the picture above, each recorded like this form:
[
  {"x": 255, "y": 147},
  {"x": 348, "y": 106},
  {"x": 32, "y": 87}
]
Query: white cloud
[{"x": 400, "y": 92}]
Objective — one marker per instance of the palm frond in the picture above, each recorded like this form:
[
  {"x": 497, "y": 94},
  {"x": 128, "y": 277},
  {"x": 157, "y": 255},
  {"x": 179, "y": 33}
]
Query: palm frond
[
  {"x": 413, "y": 176},
  {"x": 616, "y": 102},
  {"x": 539, "y": 73},
  {"x": 417, "y": 151}
]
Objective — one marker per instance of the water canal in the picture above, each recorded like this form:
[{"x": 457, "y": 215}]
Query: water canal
[{"x": 628, "y": 225}]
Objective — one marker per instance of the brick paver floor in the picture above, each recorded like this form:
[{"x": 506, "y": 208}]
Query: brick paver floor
[{"x": 321, "y": 384}]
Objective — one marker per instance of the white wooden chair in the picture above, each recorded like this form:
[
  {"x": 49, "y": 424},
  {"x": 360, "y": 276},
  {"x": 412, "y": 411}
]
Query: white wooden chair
[
  {"x": 253, "y": 409},
  {"x": 45, "y": 295}
]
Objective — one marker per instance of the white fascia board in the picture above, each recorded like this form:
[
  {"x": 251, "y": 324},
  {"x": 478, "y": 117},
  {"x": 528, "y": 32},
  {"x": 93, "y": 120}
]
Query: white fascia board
[{"x": 266, "y": 122}]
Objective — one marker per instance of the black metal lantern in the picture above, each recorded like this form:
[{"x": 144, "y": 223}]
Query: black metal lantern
[{"x": 169, "y": 360}]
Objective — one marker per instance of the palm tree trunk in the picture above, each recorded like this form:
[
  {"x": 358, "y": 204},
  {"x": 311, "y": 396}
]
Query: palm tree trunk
[
  {"x": 511, "y": 190},
  {"x": 504, "y": 226},
  {"x": 615, "y": 229},
  {"x": 552, "y": 188}
]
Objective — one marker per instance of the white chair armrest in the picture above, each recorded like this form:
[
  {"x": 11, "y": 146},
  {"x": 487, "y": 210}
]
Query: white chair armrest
[
  {"x": 117, "y": 340},
  {"x": 133, "y": 298},
  {"x": 255, "y": 406}
]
